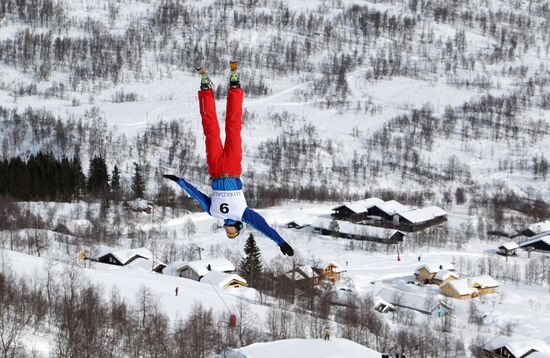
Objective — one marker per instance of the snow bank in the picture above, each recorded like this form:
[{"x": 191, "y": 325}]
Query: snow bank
[{"x": 309, "y": 348}]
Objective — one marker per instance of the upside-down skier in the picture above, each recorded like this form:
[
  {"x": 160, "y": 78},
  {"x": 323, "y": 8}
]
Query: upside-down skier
[{"x": 227, "y": 200}]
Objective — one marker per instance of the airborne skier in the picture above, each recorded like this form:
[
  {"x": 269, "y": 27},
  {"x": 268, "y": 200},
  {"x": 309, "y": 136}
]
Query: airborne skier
[{"x": 227, "y": 200}]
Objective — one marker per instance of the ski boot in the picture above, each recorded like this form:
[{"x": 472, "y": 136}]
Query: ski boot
[
  {"x": 206, "y": 84},
  {"x": 234, "y": 77}
]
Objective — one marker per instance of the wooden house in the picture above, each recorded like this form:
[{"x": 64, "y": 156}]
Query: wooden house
[
  {"x": 423, "y": 304},
  {"x": 506, "y": 347},
  {"x": 388, "y": 211},
  {"x": 425, "y": 273},
  {"x": 540, "y": 242},
  {"x": 443, "y": 276},
  {"x": 354, "y": 211},
  {"x": 304, "y": 276},
  {"x": 329, "y": 271},
  {"x": 508, "y": 249},
  {"x": 484, "y": 284},
  {"x": 458, "y": 289},
  {"x": 466, "y": 288},
  {"x": 358, "y": 232},
  {"x": 224, "y": 280},
  {"x": 419, "y": 219}
]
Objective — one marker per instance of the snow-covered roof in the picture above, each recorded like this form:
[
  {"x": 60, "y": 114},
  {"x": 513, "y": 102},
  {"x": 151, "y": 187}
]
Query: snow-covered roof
[
  {"x": 303, "y": 221},
  {"x": 462, "y": 287},
  {"x": 392, "y": 207},
  {"x": 221, "y": 279},
  {"x": 172, "y": 268},
  {"x": 442, "y": 275},
  {"x": 540, "y": 227},
  {"x": 431, "y": 268},
  {"x": 518, "y": 347},
  {"x": 380, "y": 301},
  {"x": 99, "y": 251},
  {"x": 122, "y": 255},
  {"x": 409, "y": 300},
  {"x": 219, "y": 264},
  {"x": 145, "y": 264},
  {"x": 509, "y": 246},
  {"x": 544, "y": 236},
  {"x": 423, "y": 215},
  {"x": 323, "y": 263},
  {"x": 485, "y": 281},
  {"x": 360, "y": 206},
  {"x": 346, "y": 227}
]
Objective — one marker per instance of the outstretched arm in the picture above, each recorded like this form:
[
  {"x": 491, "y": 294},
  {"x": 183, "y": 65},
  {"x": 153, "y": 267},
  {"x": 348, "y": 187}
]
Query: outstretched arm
[
  {"x": 257, "y": 221},
  {"x": 203, "y": 199}
]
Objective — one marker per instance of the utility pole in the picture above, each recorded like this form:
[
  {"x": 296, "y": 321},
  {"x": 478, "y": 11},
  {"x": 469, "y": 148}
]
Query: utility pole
[
  {"x": 293, "y": 278},
  {"x": 199, "y": 249}
]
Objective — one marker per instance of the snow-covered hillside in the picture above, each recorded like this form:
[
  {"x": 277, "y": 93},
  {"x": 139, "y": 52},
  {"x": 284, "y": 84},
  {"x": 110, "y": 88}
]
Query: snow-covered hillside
[{"x": 426, "y": 102}]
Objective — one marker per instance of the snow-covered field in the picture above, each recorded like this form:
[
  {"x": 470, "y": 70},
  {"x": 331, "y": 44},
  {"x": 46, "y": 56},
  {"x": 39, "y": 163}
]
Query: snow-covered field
[{"x": 452, "y": 55}]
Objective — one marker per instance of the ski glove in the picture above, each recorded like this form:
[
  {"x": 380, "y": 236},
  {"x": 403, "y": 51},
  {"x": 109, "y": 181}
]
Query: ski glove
[
  {"x": 171, "y": 177},
  {"x": 286, "y": 249}
]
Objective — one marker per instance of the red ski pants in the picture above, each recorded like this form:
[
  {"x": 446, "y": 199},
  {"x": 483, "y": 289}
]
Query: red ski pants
[{"x": 223, "y": 161}]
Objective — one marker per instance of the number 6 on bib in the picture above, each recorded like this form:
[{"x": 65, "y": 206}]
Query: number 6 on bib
[{"x": 228, "y": 204}]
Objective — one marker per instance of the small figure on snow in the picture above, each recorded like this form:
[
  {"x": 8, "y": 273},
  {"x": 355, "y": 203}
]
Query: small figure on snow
[
  {"x": 327, "y": 334},
  {"x": 419, "y": 258},
  {"x": 227, "y": 200},
  {"x": 177, "y": 290}
]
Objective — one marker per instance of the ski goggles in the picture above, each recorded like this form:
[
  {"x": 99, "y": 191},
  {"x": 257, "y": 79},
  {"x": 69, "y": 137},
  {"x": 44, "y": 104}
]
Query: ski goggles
[{"x": 234, "y": 235}]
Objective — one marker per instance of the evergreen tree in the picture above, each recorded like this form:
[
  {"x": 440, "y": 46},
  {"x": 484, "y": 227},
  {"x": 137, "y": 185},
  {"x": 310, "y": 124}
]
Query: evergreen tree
[
  {"x": 115, "y": 179},
  {"x": 115, "y": 184},
  {"x": 138, "y": 183},
  {"x": 251, "y": 264},
  {"x": 334, "y": 228},
  {"x": 78, "y": 180},
  {"x": 98, "y": 178}
]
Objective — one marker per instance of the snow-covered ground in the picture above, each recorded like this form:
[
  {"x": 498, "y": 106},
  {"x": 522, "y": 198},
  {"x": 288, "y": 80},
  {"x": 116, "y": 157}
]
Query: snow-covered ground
[
  {"x": 167, "y": 92},
  {"x": 309, "y": 348},
  {"x": 527, "y": 308}
]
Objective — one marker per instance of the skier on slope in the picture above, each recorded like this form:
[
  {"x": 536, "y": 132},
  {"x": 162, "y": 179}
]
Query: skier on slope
[{"x": 224, "y": 164}]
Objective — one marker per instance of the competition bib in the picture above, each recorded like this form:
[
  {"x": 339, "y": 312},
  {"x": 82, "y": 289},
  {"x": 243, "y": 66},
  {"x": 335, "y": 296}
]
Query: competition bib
[{"x": 228, "y": 204}]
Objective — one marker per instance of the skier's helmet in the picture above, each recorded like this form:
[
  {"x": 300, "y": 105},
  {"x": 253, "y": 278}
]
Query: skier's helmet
[{"x": 235, "y": 224}]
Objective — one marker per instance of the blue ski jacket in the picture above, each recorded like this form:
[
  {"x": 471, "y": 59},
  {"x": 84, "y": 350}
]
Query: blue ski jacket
[{"x": 250, "y": 217}]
